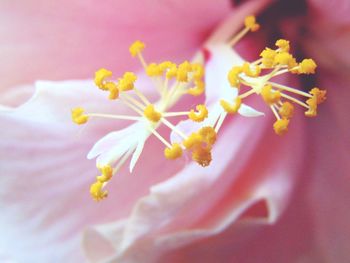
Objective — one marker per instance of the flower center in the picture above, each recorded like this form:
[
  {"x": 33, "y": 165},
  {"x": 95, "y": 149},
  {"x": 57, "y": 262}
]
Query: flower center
[{"x": 171, "y": 81}]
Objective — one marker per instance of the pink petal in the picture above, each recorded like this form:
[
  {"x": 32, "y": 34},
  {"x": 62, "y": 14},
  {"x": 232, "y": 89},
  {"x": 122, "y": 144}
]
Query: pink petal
[
  {"x": 45, "y": 195},
  {"x": 335, "y": 12},
  {"x": 198, "y": 203},
  {"x": 329, "y": 187},
  {"x": 72, "y": 39}
]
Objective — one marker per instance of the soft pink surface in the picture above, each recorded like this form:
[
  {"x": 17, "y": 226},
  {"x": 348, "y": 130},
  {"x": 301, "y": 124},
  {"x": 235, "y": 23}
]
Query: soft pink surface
[{"x": 190, "y": 214}]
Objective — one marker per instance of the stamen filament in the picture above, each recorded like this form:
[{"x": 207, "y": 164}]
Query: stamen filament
[
  {"x": 246, "y": 94},
  {"x": 173, "y": 114},
  {"x": 142, "y": 60},
  {"x": 122, "y": 161},
  {"x": 112, "y": 116},
  {"x": 174, "y": 128},
  {"x": 295, "y": 100},
  {"x": 130, "y": 105},
  {"x": 141, "y": 96},
  {"x": 256, "y": 62},
  {"x": 134, "y": 101},
  {"x": 275, "y": 112},
  {"x": 302, "y": 93},
  {"x": 160, "y": 137},
  {"x": 238, "y": 37},
  {"x": 220, "y": 121}
]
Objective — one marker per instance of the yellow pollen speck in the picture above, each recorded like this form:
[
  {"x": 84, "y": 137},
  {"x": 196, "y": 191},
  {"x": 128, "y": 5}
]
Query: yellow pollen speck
[
  {"x": 307, "y": 66},
  {"x": 136, "y": 48},
  {"x": 200, "y": 115},
  {"x": 285, "y": 59},
  {"x": 281, "y": 126},
  {"x": 319, "y": 94},
  {"x": 154, "y": 70},
  {"x": 96, "y": 191},
  {"x": 151, "y": 114},
  {"x": 106, "y": 174},
  {"x": 286, "y": 111},
  {"x": 208, "y": 134},
  {"x": 233, "y": 76},
  {"x": 198, "y": 89},
  {"x": 283, "y": 45},
  {"x": 198, "y": 71},
  {"x": 113, "y": 90},
  {"x": 165, "y": 65},
  {"x": 312, "y": 111},
  {"x": 174, "y": 152},
  {"x": 269, "y": 96},
  {"x": 250, "y": 22},
  {"x": 247, "y": 69},
  {"x": 202, "y": 155},
  {"x": 193, "y": 140},
  {"x": 182, "y": 71},
  {"x": 200, "y": 143},
  {"x": 231, "y": 108},
  {"x": 78, "y": 116},
  {"x": 127, "y": 81},
  {"x": 172, "y": 72},
  {"x": 268, "y": 57},
  {"x": 318, "y": 97},
  {"x": 100, "y": 77}
]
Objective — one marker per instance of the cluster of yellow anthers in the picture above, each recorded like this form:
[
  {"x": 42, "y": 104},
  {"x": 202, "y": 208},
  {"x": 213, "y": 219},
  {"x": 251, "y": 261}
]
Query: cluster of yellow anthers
[
  {"x": 258, "y": 74},
  {"x": 172, "y": 82}
]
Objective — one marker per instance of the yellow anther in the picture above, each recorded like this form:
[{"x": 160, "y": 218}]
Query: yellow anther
[
  {"x": 285, "y": 59},
  {"x": 307, "y": 66},
  {"x": 247, "y": 69},
  {"x": 208, "y": 134},
  {"x": 78, "y": 116},
  {"x": 151, "y": 114},
  {"x": 165, "y": 65},
  {"x": 113, "y": 90},
  {"x": 100, "y": 77},
  {"x": 130, "y": 76},
  {"x": 283, "y": 45},
  {"x": 193, "y": 140},
  {"x": 312, "y": 111},
  {"x": 127, "y": 81},
  {"x": 268, "y": 57},
  {"x": 96, "y": 191},
  {"x": 136, "y": 48},
  {"x": 186, "y": 66},
  {"x": 233, "y": 76},
  {"x": 250, "y": 22},
  {"x": 154, "y": 70},
  {"x": 182, "y": 71},
  {"x": 174, "y": 152},
  {"x": 198, "y": 71},
  {"x": 172, "y": 72},
  {"x": 106, "y": 174},
  {"x": 269, "y": 96},
  {"x": 200, "y": 115},
  {"x": 286, "y": 111},
  {"x": 198, "y": 89},
  {"x": 318, "y": 97},
  {"x": 319, "y": 94},
  {"x": 281, "y": 126},
  {"x": 202, "y": 155},
  {"x": 231, "y": 108}
]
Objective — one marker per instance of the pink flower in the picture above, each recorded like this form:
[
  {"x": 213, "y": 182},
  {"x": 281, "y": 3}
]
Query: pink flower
[{"x": 167, "y": 212}]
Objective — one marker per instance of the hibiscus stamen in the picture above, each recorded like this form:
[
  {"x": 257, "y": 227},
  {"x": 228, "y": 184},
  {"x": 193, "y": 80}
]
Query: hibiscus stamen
[
  {"x": 172, "y": 81},
  {"x": 250, "y": 25},
  {"x": 277, "y": 96}
]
